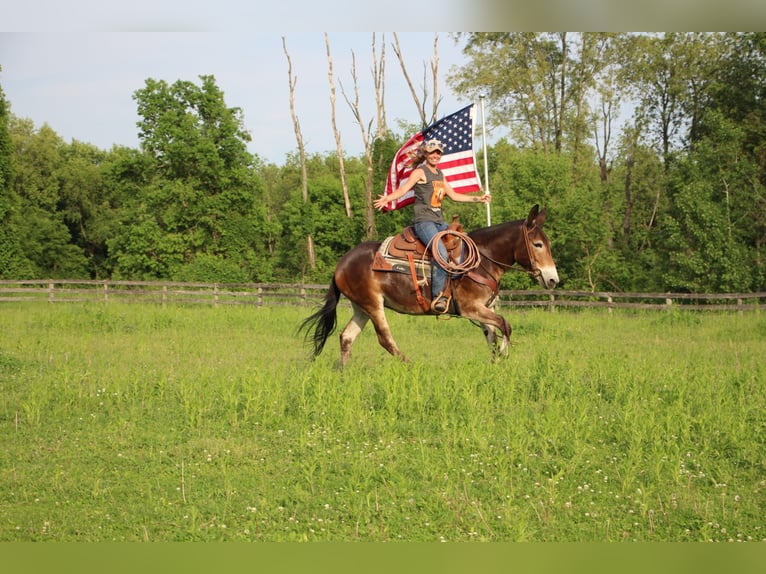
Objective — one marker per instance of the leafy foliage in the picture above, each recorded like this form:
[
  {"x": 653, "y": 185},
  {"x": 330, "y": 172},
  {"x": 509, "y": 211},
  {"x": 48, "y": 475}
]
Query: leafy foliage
[
  {"x": 675, "y": 201},
  {"x": 9, "y": 240}
]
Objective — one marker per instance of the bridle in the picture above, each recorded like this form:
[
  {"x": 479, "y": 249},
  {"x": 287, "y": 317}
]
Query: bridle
[{"x": 534, "y": 272}]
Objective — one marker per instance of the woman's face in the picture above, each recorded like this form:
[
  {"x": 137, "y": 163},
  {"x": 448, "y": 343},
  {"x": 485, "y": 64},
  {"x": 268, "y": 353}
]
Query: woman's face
[{"x": 434, "y": 157}]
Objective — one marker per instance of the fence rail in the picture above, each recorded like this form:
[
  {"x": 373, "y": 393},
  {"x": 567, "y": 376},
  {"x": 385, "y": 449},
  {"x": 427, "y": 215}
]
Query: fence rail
[{"x": 276, "y": 294}]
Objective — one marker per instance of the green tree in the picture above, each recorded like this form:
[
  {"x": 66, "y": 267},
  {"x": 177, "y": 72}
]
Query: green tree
[
  {"x": 714, "y": 225},
  {"x": 323, "y": 217},
  {"x": 204, "y": 194},
  {"x": 738, "y": 97},
  {"x": 88, "y": 203},
  {"x": 669, "y": 77},
  {"x": 45, "y": 241},
  {"x": 709, "y": 229},
  {"x": 9, "y": 245},
  {"x": 538, "y": 85},
  {"x": 634, "y": 196}
]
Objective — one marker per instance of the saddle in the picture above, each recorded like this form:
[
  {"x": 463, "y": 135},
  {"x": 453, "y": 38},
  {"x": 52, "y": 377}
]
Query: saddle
[
  {"x": 406, "y": 245},
  {"x": 405, "y": 253}
]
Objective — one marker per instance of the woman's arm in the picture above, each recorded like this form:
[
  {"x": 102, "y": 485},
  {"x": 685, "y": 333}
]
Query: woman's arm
[
  {"x": 383, "y": 199},
  {"x": 465, "y": 198}
]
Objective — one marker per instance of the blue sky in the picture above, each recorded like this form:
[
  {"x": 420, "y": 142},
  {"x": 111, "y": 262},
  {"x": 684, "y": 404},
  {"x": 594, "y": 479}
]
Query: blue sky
[
  {"x": 75, "y": 64},
  {"x": 81, "y": 83}
]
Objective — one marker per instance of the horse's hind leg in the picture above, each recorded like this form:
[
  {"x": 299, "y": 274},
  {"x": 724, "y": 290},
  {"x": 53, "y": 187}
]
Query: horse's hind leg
[
  {"x": 383, "y": 331},
  {"x": 351, "y": 332},
  {"x": 356, "y": 324}
]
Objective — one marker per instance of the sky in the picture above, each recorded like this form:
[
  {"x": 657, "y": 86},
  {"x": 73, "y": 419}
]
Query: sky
[
  {"x": 82, "y": 83},
  {"x": 75, "y": 64}
]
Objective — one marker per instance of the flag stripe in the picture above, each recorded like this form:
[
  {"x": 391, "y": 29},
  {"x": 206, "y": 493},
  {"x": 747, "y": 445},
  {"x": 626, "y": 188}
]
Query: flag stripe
[{"x": 461, "y": 179}]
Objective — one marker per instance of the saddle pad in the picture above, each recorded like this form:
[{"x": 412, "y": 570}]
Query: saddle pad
[{"x": 388, "y": 259}]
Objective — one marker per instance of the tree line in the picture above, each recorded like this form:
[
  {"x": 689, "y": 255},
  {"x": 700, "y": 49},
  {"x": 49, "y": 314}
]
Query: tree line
[{"x": 647, "y": 150}]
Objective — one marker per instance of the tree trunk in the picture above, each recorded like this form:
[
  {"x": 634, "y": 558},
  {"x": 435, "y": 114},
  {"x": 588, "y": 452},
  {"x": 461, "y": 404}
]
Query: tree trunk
[
  {"x": 301, "y": 149},
  {"x": 344, "y": 185},
  {"x": 379, "y": 76},
  {"x": 628, "y": 201},
  {"x": 418, "y": 104},
  {"x": 356, "y": 110}
]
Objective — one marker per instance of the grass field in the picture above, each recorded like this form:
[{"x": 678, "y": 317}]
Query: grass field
[{"x": 138, "y": 422}]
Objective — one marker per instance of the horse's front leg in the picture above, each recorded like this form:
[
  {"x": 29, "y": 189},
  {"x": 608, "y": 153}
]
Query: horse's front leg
[
  {"x": 490, "y": 335},
  {"x": 492, "y": 325},
  {"x": 505, "y": 343}
]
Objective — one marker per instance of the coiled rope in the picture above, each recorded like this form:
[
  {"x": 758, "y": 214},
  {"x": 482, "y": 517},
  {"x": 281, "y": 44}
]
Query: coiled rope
[{"x": 471, "y": 258}]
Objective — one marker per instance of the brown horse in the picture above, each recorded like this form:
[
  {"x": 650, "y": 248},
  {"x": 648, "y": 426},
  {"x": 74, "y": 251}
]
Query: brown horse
[{"x": 473, "y": 294}]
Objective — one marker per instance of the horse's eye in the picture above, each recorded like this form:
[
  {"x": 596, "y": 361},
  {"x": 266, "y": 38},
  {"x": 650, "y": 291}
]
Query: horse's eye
[{"x": 538, "y": 244}]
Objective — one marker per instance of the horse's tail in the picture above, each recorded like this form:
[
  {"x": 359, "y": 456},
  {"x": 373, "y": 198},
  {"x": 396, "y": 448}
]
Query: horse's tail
[{"x": 324, "y": 321}]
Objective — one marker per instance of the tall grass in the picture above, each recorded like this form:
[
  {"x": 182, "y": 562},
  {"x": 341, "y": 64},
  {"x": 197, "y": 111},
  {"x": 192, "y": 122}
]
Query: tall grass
[{"x": 193, "y": 423}]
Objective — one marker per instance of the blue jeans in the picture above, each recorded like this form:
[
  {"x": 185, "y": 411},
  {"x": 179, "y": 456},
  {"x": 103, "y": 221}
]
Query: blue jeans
[{"x": 425, "y": 230}]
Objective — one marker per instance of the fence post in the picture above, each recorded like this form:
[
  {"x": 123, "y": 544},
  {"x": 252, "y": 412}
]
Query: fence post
[
  {"x": 552, "y": 299},
  {"x": 164, "y": 295},
  {"x": 668, "y": 303},
  {"x": 260, "y": 296},
  {"x": 215, "y": 295},
  {"x": 609, "y": 302},
  {"x": 106, "y": 291},
  {"x": 50, "y": 292}
]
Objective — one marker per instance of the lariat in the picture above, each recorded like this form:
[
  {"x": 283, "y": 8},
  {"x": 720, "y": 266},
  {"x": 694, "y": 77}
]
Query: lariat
[{"x": 470, "y": 258}]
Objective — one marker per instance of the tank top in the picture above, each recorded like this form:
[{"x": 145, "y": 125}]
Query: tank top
[{"x": 428, "y": 197}]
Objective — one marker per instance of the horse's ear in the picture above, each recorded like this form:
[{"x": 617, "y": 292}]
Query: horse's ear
[
  {"x": 540, "y": 218},
  {"x": 532, "y": 216}
]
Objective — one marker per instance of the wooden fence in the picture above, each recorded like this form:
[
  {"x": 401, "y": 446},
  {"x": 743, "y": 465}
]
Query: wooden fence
[{"x": 275, "y": 294}]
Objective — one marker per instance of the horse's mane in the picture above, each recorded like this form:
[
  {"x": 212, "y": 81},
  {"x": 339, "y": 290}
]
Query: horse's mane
[{"x": 492, "y": 230}]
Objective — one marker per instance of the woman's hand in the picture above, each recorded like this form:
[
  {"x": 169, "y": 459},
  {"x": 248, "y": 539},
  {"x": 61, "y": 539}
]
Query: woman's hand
[
  {"x": 484, "y": 198},
  {"x": 381, "y": 202}
]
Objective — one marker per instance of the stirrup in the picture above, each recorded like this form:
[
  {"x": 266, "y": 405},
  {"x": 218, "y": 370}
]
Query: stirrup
[{"x": 440, "y": 305}]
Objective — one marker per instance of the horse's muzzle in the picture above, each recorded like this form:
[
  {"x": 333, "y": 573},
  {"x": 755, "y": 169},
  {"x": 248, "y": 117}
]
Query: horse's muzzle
[
  {"x": 548, "y": 278},
  {"x": 552, "y": 282}
]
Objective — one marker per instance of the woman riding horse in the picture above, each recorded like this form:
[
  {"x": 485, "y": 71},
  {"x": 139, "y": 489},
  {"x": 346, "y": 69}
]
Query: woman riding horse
[
  {"x": 430, "y": 186},
  {"x": 371, "y": 291}
]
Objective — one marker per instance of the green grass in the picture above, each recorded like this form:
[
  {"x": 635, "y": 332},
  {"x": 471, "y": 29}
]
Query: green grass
[{"x": 138, "y": 422}]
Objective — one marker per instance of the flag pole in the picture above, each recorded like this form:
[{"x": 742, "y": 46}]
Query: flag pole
[{"x": 486, "y": 162}]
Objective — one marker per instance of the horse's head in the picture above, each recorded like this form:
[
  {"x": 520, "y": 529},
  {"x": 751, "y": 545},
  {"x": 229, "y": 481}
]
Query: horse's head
[{"x": 538, "y": 257}]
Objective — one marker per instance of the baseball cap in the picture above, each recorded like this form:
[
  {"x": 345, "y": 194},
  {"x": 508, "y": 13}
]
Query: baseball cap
[{"x": 432, "y": 145}]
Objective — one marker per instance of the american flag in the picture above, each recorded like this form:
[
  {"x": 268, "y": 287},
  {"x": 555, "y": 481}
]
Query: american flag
[{"x": 458, "y": 162}]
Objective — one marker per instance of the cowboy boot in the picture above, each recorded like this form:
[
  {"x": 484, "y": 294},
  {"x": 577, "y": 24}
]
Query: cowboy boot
[{"x": 441, "y": 303}]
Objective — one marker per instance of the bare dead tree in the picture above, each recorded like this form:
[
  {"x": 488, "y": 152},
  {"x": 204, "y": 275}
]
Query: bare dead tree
[
  {"x": 381, "y": 132},
  {"x": 602, "y": 140},
  {"x": 628, "y": 198},
  {"x": 344, "y": 185},
  {"x": 378, "y": 80},
  {"x": 292, "y": 82},
  {"x": 356, "y": 111},
  {"x": 435, "y": 78},
  {"x": 560, "y": 110},
  {"x": 420, "y": 105}
]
